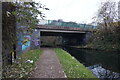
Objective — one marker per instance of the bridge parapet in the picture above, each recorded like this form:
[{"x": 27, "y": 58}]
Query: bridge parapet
[
  {"x": 61, "y": 23},
  {"x": 63, "y": 28}
]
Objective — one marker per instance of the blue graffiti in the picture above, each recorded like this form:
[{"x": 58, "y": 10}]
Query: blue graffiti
[{"x": 24, "y": 47}]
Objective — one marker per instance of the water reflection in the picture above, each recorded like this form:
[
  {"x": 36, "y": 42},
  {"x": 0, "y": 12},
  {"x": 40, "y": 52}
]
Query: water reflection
[{"x": 102, "y": 64}]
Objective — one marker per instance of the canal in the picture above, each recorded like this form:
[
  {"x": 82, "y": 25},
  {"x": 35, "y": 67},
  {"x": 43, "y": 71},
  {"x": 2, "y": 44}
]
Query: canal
[{"x": 102, "y": 64}]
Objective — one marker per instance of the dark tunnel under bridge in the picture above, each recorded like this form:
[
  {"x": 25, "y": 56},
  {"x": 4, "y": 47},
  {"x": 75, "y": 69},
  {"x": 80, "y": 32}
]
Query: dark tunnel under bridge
[{"x": 67, "y": 38}]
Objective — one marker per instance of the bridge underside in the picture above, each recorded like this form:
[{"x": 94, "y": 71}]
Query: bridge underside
[
  {"x": 61, "y": 34},
  {"x": 65, "y": 38}
]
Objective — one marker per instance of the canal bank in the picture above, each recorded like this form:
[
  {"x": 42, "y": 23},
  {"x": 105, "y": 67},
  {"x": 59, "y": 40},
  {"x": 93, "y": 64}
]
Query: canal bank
[
  {"x": 109, "y": 47},
  {"x": 103, "y": 64},
  {"x": 76, "y": 63},
  {"x": 72, "y": 67}
]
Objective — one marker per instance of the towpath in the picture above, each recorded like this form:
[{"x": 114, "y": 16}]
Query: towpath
[{"x": 48, "y": 66}]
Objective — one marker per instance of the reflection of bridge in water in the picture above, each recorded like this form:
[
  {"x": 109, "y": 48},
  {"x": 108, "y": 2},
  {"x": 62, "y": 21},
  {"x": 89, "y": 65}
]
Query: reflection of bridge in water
[{"x": 71, "y": 34}]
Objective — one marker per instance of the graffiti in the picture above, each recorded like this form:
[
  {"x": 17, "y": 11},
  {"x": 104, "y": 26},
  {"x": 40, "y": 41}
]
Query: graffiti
[
  {"x": 36, "y": 42},
  {"x": 26, "y": 42},
  {"x": 35, "y": 39}
]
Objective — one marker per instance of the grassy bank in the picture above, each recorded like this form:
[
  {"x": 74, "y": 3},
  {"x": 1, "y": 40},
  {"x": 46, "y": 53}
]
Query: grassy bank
[
  {"x": 71, "y": 66},
  {"x": 22, "y": 66}
]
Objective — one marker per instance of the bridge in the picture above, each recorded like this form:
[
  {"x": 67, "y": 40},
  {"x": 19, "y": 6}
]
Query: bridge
[
  {"x": 45, "y": 30},
  {"x": 71, "y": 35}
]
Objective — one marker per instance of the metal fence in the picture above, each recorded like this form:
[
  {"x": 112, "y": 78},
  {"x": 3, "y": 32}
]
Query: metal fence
[{"x": 65, "y": 24}]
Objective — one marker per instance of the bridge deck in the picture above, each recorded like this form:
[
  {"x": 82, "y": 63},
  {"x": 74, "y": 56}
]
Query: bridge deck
[
  {"x": 62, "y": 31},
  {"x": 62, "y": 28}
]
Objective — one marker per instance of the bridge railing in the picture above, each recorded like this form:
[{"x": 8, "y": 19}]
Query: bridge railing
[{"x": 65, "y": 24}]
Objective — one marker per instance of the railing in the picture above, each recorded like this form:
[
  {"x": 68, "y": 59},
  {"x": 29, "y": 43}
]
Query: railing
[{"x": 65, "y": 24}]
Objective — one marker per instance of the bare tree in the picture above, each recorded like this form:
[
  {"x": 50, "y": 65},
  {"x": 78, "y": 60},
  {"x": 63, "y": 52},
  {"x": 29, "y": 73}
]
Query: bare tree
[
  {"x": 107, "y": 14},
  {"x": 108, "y": 31}
]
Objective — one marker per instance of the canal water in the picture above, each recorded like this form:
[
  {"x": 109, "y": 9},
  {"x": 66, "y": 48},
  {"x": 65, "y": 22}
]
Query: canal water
[{"x": 102, "y": 64}]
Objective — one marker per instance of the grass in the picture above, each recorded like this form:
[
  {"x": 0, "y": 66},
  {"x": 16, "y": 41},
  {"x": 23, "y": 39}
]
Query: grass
[
  {"x": 21, "y": 68},
  {"x": 71, "y": 66}
]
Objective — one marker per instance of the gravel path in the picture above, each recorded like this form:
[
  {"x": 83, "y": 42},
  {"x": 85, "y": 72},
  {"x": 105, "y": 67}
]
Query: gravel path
[{"x": 48, "y": 66}]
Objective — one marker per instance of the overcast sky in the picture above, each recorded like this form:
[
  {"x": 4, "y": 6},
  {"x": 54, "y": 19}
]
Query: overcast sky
[{"x": 71, "y": 10}]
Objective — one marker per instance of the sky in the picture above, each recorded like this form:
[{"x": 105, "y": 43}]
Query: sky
[{"x": 80, "y": 11}]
